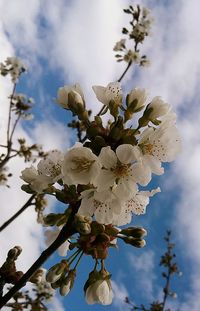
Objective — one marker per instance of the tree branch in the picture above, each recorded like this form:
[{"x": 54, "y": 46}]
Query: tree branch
[
  {"x": 19, "y": 212},
  {"x": 65, "y": 233}
]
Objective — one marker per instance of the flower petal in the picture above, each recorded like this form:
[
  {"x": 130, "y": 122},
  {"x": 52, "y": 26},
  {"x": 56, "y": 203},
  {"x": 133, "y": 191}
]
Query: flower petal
[
  {"x": 127, "y": 153},
  {"x": 108, "y": 157},
  {"x": 100, "y": 93}
]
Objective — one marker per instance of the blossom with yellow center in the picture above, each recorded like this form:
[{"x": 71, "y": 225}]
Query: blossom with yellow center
[
  {"x": 80, "y": 166},
  {"x": 120, "y": 171}
]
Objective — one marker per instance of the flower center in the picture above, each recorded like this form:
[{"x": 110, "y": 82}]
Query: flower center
[
  {"x": 81, "y": 164},
  {"x": 55, "y": 170},
  {"x": 147, "y": 148},
  {"x": 121, "y": 170}
]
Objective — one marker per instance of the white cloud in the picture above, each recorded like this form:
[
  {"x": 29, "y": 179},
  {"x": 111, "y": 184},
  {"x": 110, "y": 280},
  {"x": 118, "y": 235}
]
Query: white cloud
[
  {"x": 143, "y": 265},
  {"x": 120, "y": 293}
]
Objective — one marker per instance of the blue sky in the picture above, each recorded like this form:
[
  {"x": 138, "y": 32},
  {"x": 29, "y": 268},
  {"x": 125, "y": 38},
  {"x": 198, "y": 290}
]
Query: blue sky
[{"x": 65, "y": 42}]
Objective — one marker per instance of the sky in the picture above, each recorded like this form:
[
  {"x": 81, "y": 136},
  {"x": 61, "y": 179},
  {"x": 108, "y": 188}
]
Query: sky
[{"x": 65, "y": 42}]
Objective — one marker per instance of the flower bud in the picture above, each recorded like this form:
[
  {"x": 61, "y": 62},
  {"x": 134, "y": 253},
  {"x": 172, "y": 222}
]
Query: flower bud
[
  {"x": 76, "y": 96},
  {"x": 134, "y": 242},
  {"x": 136, "y": 99},
  {"x": 82, "y": 224},
  {"x": 37, "y": 277},
  {"x": 157, "y": 108},
  {"x": 135, "y": 232},
  {"x": 67, "y": 283},
  {"x": 14, "y": 253},
  {"x": 55, "y": 272},
  {"x": 75, "y": 102},
  {"x": 98, "y": 288}
]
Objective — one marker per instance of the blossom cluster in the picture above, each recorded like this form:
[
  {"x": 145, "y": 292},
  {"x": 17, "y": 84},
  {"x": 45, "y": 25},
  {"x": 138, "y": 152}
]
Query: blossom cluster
[
  {"x": 13, "y": 66},
  {"x": 110, "y": 178},
  {"x": 141, "y": 23}
]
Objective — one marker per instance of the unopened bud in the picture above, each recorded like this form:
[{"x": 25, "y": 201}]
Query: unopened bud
[
  {"x": 55, "y": 272},
  {"x": 75, "y": 102},
  {"x": 134, "y": 242},
  {"x": 135, "y": 232},
  {"x": 82, "y": 224},
  {"x": 14, "y": 253},
  {"x": 67, "y": 283},
  {"x": 37, "y": 277}
]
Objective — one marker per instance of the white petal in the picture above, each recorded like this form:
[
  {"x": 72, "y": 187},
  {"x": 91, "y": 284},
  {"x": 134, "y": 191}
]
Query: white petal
[
  {"x": 62, "y": 250},
  {"x": 104, "y": 180},
  {"x": 103, "y": 293},
  {"x": 142, "y": 173},
  {"x": 137, "y": 204},
  {"x": 108, "y": 157},
  {"x": 154, "y": 164},
  {"x": 87, "y": 207},
  {"x": 126, "y": 153},
  {"x": 90, "y": 295},
  {"x": 114, "y": 92},
  {"x": 100, "y": 93}
]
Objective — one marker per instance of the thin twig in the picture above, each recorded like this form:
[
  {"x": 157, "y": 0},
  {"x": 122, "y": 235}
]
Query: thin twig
[
  {"x": 125, "y": 71},
  {"x": 9, "y": 115},
  {"x": 19, "y": 212}
]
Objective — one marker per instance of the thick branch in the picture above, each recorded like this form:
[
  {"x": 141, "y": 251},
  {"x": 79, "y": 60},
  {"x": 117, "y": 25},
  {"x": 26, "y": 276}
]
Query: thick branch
[{"x": 19, "y": 212}]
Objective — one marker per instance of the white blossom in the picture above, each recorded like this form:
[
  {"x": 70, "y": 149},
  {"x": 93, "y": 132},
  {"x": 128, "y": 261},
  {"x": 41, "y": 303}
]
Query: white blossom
[
  {"x": 135, "y": 205},
  {"x": 132, "y": 56},
  {"x": 112, "y": 92},
  {"x": 161, "y": 144},
  {"x": 63, "y": 95},
  {"x": 37, "y": 182},
  {"x": 16, "y": 67},
  {"x": 138, "y": 95},
  {"x": 80, "y": 166},
  {"x": 120, "y": 45},
  {"x": 159, "y": 108},
  {"x": 99, "y": 292},
  {"x": 51, "y": 165},
  {"x": 51, "y": 235},
  {"x": 103, "y": 205},
  {"x": 120, "y": 170}
]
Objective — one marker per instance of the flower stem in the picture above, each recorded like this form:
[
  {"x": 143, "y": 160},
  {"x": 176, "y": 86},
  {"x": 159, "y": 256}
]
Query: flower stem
[
  {"x": 76, "y": 265},
  {"x": 73, "y": 256},
  {"x": 125, "y": 71}
]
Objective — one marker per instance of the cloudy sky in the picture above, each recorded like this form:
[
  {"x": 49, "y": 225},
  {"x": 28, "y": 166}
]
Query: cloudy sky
[{"x": 64, "y": 42}]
